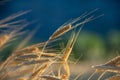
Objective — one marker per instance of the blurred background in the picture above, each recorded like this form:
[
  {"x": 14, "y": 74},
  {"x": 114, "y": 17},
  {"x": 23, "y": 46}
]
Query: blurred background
[{"x": 99, "y": 39}]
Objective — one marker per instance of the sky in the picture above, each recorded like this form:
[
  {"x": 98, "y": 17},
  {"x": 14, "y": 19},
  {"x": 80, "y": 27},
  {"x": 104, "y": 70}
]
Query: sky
[{"x": 51, "y": 14}]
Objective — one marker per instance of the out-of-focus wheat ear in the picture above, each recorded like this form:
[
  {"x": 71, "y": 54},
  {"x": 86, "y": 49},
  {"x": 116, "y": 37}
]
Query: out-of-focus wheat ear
[
  {"x": 49, "y": 55},
  {"x": 25, "y": 41},
  {"x": 114, "y": 69},
  {"x": 18, "y": 53},
  {"x": 32, "y": 62},
  {"x": 111, "y": 66},
  {"x": 16, "y": 22},
  {"x": 78, "y": 76},
  {"x": 17, "y": 29},
  {"x": 3, "y": 40},
  {"x": 38, "y": 73},
  {"x": 24, "y": 51},
  {"x": 114, "y": 62},
  {"x": 48, "y": 77},
  {"x": 27, "y": 57},
  {"x": 22, "y": 79},
  {"x": 96, "y": 71},
  {"x": 8, "y": 36},
  {"x": 37, "y": 46},
  {"x": 13, "y": 24},
  {"x": 4, "y": 74},
  {"x": 100, "y": 77},
  {"x": 13, "y": 16},
  {"x": 115, "y": 77}
]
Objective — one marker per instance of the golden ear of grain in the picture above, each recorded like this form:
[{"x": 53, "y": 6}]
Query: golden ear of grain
[{"x": 60, "y": 31}]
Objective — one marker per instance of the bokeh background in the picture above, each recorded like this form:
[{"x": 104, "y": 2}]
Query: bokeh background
[{"x": 99, "y": 39}]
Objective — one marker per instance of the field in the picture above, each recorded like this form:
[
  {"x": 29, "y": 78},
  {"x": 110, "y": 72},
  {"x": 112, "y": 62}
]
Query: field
[{"x": 52, "y": 59}]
